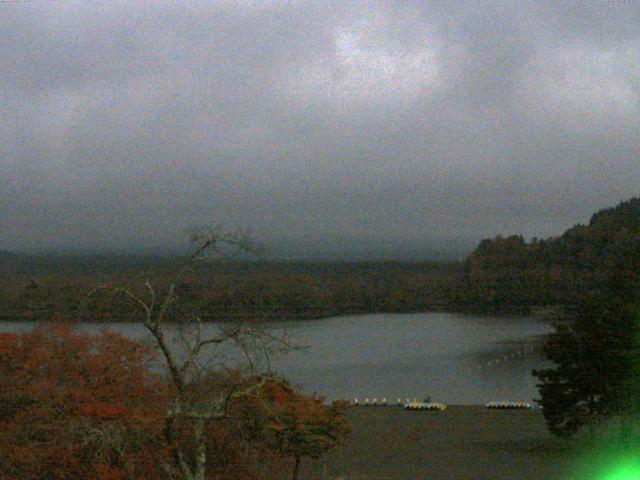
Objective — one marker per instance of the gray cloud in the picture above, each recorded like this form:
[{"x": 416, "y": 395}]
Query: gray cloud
[{"x": 333, "y": 125}]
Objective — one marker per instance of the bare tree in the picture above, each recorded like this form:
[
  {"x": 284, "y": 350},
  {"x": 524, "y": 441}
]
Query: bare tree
[{"x": 193, "y": 405}]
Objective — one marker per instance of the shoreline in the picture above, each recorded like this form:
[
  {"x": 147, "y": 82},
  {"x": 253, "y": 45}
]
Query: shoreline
[{"x": 546, "y": 314}]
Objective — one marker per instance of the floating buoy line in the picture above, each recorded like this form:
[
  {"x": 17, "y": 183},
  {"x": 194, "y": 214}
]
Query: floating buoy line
[{"x": 501, "y": 360}]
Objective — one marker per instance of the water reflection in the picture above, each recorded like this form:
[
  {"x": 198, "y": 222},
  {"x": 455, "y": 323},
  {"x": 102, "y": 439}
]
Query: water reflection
[{"x": 459, "y": 359}]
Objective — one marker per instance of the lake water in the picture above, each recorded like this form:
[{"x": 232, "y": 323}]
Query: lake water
[{"x": 453, "y": 358}]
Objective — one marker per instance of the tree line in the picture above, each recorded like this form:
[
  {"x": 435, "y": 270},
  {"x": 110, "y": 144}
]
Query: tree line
[
  {"x": 511, "y": 272},
  {"x": 226, "y": 290}
]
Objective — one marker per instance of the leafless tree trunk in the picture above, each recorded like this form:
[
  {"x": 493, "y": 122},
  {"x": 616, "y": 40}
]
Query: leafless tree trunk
[
  {"x": 296, "y": 467},
  {"x": 185, "y": 408}
]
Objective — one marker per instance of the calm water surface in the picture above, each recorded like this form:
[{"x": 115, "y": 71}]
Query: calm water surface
[{"x": 458, "y": 359}]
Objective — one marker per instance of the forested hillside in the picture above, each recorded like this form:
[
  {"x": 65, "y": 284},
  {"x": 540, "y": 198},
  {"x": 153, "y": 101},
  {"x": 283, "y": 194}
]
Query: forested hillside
[
  {"x": 512, "y": 272},
  {"x": 45, "y": 287}
]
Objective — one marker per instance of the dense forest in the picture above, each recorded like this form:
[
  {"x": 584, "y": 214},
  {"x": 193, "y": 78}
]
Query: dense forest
[
  {"x": 65, "y": 287},
  {"x": 503, "y": 274},
  {"x": 511, "y": 272}
]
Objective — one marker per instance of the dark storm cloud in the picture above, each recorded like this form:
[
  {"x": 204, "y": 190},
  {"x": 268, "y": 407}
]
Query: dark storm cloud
[{"x": 328, "y": 124}]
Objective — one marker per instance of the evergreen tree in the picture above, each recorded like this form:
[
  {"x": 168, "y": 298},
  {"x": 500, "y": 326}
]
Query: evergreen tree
[{"x": 596, "y": 362}]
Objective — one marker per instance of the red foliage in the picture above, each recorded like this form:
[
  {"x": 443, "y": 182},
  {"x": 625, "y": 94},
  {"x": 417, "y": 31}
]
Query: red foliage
[
  {"x": 75, "y": 406},
  {"x": 80, "y": 407},
  {"x": 301, "y": 425}
]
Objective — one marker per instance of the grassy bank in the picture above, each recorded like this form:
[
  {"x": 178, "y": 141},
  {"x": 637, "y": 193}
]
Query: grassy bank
[{"x": 460, "y": 443}]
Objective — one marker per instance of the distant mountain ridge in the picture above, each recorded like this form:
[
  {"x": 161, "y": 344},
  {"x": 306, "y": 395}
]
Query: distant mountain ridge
[
  {"x": 290, "y": 250},
  {"x": 51, "y": 263}
]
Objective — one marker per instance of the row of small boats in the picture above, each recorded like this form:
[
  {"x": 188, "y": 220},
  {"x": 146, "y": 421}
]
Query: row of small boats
[
  {"x": 509, "y": 405},
  {"x": 425, "y": 406},
  {"x": 428, "y": 405}
]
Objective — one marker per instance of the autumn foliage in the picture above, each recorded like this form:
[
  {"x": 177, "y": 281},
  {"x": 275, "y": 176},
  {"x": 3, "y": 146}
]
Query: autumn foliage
[
  {"x": 298, "y": 426},
  {"x": 77, "y": 406}
]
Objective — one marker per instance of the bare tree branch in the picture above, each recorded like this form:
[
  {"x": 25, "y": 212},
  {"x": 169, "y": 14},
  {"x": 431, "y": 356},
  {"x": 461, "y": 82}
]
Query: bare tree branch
[{"x": 188, "y": 405}]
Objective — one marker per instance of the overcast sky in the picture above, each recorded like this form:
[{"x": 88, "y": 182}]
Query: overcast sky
[{"x": 325, "y": 126}]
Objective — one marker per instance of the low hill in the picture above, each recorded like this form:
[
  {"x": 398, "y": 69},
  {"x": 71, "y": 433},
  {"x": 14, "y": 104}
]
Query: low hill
[{"x": 508, "y": 271}]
